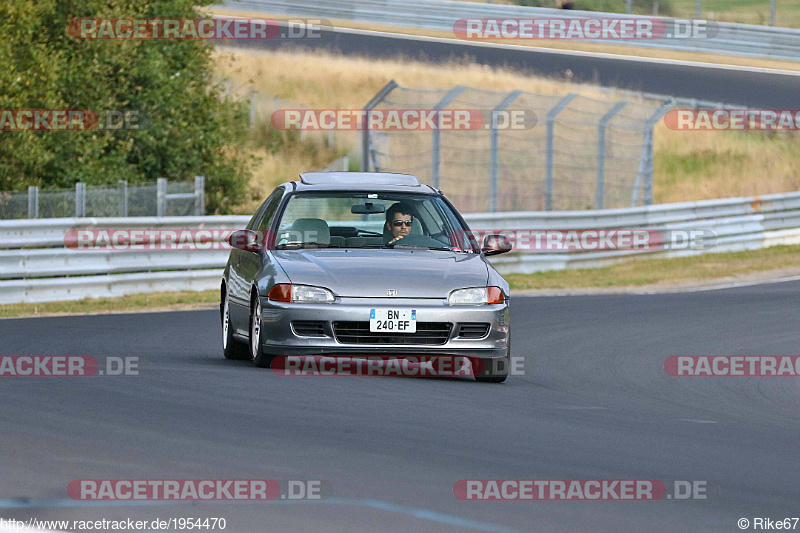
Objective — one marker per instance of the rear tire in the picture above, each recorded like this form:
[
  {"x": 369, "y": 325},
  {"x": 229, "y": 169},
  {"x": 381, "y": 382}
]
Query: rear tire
[
  {"x": 257, "y": 355},
  {"x": 231, "y": 348}
]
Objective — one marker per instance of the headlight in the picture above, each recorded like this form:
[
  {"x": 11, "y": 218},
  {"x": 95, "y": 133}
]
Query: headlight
[
  {"x": 476, "y": 296},
  {"x": 309, "y": 294}
]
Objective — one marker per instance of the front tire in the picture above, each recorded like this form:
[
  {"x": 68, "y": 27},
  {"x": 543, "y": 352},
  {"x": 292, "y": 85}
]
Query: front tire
[
  {"x": 231, "y": 348},
  {"x": 257, "y": 355},
  {"x": 493, "y": 370}
]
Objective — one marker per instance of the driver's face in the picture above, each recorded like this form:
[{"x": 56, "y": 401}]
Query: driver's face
[{"x": 403, "y": 228}]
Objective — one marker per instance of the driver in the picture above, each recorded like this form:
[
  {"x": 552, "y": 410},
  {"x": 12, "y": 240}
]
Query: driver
[{"x": 399, "y": 221}]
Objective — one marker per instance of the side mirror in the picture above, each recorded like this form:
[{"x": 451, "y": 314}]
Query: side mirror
[
  {"x": 245, "y": 239},
  {"x": 496, "y": 244}
]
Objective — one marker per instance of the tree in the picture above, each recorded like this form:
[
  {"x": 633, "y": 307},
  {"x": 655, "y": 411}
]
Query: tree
[{"x": 186, "y": 127}]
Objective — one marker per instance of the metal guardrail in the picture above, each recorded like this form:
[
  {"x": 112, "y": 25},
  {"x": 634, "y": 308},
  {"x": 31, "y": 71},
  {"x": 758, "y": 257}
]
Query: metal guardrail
[
  {"x": 731, "y": 38},
  {"x": 35, "y": 266}
]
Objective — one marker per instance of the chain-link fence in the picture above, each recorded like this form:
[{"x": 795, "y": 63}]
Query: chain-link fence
[
  {"x": 564, "y": 152},
  {"x": 160, "y": 198}
]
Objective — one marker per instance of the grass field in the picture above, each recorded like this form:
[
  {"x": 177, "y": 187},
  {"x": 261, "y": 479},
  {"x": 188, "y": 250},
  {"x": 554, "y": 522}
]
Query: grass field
[
  {"x": 787, "y": 12},
  {"x": 688, "y": 165}
]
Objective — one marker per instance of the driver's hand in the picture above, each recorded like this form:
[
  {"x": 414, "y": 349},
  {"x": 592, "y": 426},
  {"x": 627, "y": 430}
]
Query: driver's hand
[{"x": 396, "y": 239}]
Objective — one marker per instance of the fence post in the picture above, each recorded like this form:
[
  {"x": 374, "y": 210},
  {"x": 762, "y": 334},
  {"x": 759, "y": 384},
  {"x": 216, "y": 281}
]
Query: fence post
[
  {"x": 161, "y": 197},
  {"x": 550, "y": 121},
  {"x": 80, "y": 200},
  {"x": 645, "y": 171},
  {"x": 451, "y": 95},
  {"x": 199, "y": 195},
  {"x": 33, "y": 201},
  {"x": 600, "y": 194},
  {"x": 493, "y": 161},
  {"x": 123, "y": 197},
  {"x": 375, "y": 100}
]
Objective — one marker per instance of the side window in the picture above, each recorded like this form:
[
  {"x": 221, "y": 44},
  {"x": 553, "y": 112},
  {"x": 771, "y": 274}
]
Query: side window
[{"x": 269, "y": 211}]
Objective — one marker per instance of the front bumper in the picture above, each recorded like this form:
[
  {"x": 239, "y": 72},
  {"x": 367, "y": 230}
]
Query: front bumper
[{"x": 279, "y": 338}]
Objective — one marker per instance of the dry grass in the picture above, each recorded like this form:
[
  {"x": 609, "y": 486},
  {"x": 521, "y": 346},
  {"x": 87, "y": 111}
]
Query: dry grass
[
  {"x": 695, "y": 165},
  {"x": 689, "y": 165},
  {"x": 325, "y": 80}
]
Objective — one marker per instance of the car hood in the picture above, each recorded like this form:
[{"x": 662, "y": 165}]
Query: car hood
[{"x": 371, "y": 273}]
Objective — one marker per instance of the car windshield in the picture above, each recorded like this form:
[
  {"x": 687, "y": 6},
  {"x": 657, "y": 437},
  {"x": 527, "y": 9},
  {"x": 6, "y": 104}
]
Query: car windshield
[{"x": 379, "y": 220}]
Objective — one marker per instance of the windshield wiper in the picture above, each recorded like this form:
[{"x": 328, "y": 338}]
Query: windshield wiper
[
  {"x": 298, "y": 245},
  {"x": 421, "y": 247}
]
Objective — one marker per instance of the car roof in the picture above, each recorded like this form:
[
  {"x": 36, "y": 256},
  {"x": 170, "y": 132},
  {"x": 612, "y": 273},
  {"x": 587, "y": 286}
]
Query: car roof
[{"x": 361, "y": 181}]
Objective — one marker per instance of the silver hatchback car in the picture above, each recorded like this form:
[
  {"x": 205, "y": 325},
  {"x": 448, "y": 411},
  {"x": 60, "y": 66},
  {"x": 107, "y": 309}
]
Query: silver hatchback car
[{"x": 360, "y": 264}]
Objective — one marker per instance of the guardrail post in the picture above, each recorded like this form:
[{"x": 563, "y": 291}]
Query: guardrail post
[
  {"x": 199, "y": 195},
  {"x": 645, "y": 171},
  {"x": 772, "y": 12},
  {"x": 161, "y": 197},
  {"x": 33, "y": 201},
  {"x": 601, "y": 153},
  {"x": 493, "y": 161},
  {"x": 365, "y": 138},
  {"x": 550, "y": 122},
  {"x": 80, "y": 200},
  {"x": 123, "y": 198},
  {"x": 451, "y": 95},
  {"x": 346, "y": 163}
]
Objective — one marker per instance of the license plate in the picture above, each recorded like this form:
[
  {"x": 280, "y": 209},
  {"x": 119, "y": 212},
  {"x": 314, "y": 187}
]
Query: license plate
[{"x": 393, "y": 320}]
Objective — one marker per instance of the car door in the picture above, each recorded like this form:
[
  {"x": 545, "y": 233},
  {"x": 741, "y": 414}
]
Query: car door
[{"x": 247, "y": 265}]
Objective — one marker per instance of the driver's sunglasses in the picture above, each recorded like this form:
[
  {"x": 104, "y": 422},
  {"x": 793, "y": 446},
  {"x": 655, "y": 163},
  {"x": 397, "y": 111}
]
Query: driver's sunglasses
[{"x": 398, "y": 223}]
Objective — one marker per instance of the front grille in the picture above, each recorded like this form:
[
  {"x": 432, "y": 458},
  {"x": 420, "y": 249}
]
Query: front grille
[
  {"x": 309, "y": 328},
  {"x": 473, "y": 330},
  {"x": 431, "y": 333}
]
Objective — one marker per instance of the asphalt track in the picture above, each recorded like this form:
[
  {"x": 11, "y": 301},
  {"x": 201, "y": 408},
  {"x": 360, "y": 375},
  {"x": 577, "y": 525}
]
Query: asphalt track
[
  {"x": 594, "y": 403},
  {"x": 756, "y": 88}
]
